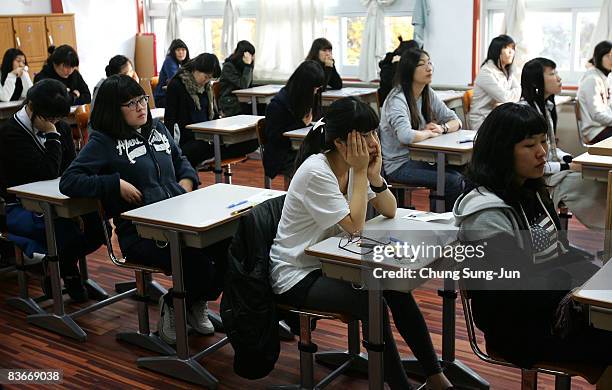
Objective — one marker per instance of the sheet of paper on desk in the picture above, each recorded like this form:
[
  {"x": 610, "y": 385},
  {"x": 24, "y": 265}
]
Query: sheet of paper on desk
[
  {"x": 260, "y": 197},
  {"x": 428, "y": 216},
  {"x": 468, "y": 137}
]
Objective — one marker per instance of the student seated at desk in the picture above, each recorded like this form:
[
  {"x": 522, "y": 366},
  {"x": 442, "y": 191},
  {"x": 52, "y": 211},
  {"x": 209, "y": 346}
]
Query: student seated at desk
[
  {"x": 119, "y": 64},
  {"x": 177, "y": 56},
  {"x": 338, "y": 173},
  {"x": 14, "y": 78},
  {"x": 237, "y": 73},
  {"x": 495, "y": 83},
  {"x": 62, "y": 65},
  {"x": 321, "y": 52},
  {"x": 411, "y": 113},
  {"x": 35, "y": 145},
  {"x": 189, "y": 100},
  {"x": 540, "y": 82},
  {"x": 388, "y": 67},
  {"x": 295, "y": 106},
  {"x": 131, "y": 161},
  {"x": 506, "y": 210},
  {"x": 594, "y": 96}
]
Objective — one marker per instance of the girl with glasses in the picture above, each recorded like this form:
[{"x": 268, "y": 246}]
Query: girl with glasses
[
  {"x": 338, "y": 172},
  {"x": 130, "y": 161}
]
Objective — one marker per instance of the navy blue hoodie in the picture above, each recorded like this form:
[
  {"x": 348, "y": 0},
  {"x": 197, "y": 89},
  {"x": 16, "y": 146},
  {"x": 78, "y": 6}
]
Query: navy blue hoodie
[{"x": 151, "y": 162}]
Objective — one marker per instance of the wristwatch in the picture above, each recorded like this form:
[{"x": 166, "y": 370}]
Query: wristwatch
[
  {"x": 444, "y": 128},
  {"x": 382, "y": 188}
]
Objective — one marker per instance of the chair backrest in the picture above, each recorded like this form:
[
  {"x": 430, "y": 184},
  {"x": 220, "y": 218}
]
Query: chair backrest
[
  {"x": 467, "y": 104},
  {"x": 216, "y": 87},
  {"x": 579, "y": 123},
  {"x": 261, "y": 132},
  {"x": 154, "y": 82}
]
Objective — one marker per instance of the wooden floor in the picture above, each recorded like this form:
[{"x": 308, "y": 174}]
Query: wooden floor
[{"x": 103, "y": 363}]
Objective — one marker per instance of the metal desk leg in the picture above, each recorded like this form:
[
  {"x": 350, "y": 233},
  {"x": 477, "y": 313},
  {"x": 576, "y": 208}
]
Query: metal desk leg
[
  {"x": 441, "y": 182},
  {"x": 23, "y": 302},
  {"x": 154, "y": 289},
  {"x": 181, "y": 365},
  {"x": 217, "y": 146},
  {"x": 93, "y": 289},
  {"x": 58, "y": 321},
  {"x": 254, "y": 104},
  {"x": 375, "y": 324}
]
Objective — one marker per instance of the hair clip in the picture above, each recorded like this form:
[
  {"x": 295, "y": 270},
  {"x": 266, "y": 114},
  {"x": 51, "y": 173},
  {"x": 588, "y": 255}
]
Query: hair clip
[{"x": 318, "y": 124}]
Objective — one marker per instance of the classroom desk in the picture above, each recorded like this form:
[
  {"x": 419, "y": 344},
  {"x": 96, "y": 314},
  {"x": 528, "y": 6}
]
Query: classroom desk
[
  {"x": 196, "y": 219},
  {"x": 297, "y": 136},
  {"x": 45, "y": 197},
  {"x": 596, "y": 167},
  {"x": 602, "y": 148},
  {"x": 597, "y": 294},
  {"x": 229, "y": 130},
  {"x": 453, "y": 99},
  {"x": 367, "y": 95},
  {"x": 7, "y": 109},
  {"x": 260, "y": 94},
  {"x": 158, "y": 113},
  {"x": 341, "y": 264},
  {"x": 441, "y": 150}
]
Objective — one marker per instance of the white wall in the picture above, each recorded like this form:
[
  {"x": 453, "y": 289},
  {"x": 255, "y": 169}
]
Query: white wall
[
  {"x": 104, "y": 28},
  {"x": 18, "y": 7}
]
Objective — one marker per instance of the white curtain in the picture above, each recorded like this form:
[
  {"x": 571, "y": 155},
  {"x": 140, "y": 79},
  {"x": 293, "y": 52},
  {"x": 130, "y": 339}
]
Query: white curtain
[
  {"x": 285, "y": 31},
  {"x": 229, "y": 34},
  {"x": 420, "y": 19},
  {"x": 515, "y": 25},
  {"x": 603, "y": 30},
  {"x": 373, "y": 39},
  {"x": 173, "y": 29}
]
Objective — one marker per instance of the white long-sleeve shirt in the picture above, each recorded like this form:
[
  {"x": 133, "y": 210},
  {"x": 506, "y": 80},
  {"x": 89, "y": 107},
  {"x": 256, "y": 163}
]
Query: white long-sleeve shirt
[
  {"x": 491, "y": 88},
  {"x": 595, "y": 105},
  {"x": 7, "y": 90}
]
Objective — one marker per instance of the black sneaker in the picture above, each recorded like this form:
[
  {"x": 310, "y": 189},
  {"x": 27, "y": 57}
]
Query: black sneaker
[{"x": 75, "y": 289}]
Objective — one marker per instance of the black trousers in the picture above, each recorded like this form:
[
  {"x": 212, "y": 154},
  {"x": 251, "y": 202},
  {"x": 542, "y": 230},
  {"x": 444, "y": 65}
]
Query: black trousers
[
  {"x": 333, "y": 295},
  {"x": 197, "y": 151}
]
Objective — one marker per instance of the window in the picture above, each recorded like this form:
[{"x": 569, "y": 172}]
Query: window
[
  {"x": 192, "y": 33},
  {"x": 560, "y": 34},
  {"x": 396, "y": 26},
  {"x": 246, "y": 29},
  {"x": 214, "y": 28}
]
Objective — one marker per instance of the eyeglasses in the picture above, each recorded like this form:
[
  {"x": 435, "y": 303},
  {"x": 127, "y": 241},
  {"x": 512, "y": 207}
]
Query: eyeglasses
[
  {"x": 365, "y": 243},
  {"x": 428, "y": 63},
  {"x": 141, "y": 101}
]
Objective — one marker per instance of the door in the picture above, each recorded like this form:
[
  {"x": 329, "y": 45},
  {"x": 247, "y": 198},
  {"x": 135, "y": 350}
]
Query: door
[
  {"x": 60, "y": 30},
  {"x": 30, "y": 37},
  {"x": 6, "y": 35}
]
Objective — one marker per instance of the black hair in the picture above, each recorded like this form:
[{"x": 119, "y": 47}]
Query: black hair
[
  {"x": 107, "y": 117},
  {"x": 116, "y": 64},
  {"x": 404, "y": 77},
  {"x": 205, "y": 63},
  {"x": 343, "y": 116},
  {"x": 492, "y": 164},
  {"x": 7, "y": 62},
  {"x": 63, "y": 55},
  {"x": 48, "y": 99},
  {"x": 317, "y": 45},
  {"x": 495, "y": 48},
  {"x": 236, "y": 57},
  {"x": 532, "y": 86},
  {"x": 601, "y": 49},
  {"x": 178, "y": 44},
  {"x": 405, "y": 45},
  {"x": 300, "y": 86}
]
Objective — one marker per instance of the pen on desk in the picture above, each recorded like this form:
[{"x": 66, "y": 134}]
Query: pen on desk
[
  {"x": 465, "y": 141},
  {"x": 235, "y": 212},
  {"x": 237, "y": 204}
]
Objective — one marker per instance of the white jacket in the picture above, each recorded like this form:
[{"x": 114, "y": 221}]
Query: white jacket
[
  {"x": 6, "y": 90},
  {"x": 491, "y": 88},
  {"x": 595, "y": 106}
]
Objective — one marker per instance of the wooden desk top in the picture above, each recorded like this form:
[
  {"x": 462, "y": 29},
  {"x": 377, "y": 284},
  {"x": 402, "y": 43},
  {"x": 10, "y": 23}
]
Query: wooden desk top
[
  {"x": 46, "y": 191},
  {"x": 447, "y": 142},
  {"x": 262, "y": 90},
  {"x": 347, "y": 91},
  {"x": 594, "y": 160},
  {"x": 202, "y": 209},
  {"x": 297, "y": 133},
  {"x": 602, "y": 148},
  {"x": 407, "y": 230},
  {"x": 231, "y": 124},
  {"x": 597, "y": 291}
]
